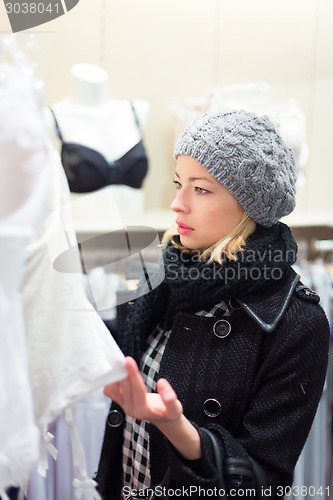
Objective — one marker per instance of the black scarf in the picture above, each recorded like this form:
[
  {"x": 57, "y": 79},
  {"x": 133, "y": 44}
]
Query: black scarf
[{"x": 191, "y": 284}]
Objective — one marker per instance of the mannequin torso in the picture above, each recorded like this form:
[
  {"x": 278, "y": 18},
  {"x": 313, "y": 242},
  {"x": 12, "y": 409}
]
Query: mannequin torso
[
  {"x": 89, "y": 118},
  {"x": 109, "y": 127}
]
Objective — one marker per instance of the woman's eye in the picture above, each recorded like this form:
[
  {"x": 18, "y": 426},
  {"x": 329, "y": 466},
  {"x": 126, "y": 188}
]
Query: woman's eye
[
  {"x": 200, "y": 190},
  {"x": 178, "y": 185}
]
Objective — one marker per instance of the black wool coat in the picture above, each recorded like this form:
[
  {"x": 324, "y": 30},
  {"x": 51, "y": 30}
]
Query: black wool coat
[{"x": 256, "y": 386}]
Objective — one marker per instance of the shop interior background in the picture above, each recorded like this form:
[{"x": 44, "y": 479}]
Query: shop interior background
[
  {"x": 162, "y": 51},
  {"x": 169, "y": 51}
]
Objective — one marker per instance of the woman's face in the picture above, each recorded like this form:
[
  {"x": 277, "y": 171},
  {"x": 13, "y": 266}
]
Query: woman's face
[{"x": 205, "y": 209}]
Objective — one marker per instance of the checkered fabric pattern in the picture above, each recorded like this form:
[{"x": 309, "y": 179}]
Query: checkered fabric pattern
[
  {"x": 221, "y": 306},
  {"x": 136, "y": 465}
]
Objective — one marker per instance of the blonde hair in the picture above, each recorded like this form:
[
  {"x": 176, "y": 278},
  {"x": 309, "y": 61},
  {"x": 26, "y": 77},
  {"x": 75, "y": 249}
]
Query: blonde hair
[{"x": 227, "y": 246}]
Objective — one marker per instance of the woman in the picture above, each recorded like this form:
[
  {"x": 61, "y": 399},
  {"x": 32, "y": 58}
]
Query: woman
[{"x": 231, "y": 340}]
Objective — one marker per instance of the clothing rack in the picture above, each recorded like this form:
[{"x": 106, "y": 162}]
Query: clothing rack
[{"x": 313, "y": 232}]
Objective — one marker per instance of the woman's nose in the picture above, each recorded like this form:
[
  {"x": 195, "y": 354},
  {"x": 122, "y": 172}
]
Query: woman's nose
[{"x": 180, "y": 204}]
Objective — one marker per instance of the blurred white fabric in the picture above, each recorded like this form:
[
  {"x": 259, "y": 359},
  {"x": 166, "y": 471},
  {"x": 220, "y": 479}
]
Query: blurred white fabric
[
  {"x": 55, "y": 349},
  {"x": 90, "y": 416}
]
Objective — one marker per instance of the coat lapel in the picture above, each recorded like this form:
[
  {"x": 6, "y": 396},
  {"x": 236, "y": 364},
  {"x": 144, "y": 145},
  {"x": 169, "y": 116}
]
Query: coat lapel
[{"x": 267, "y": 310}]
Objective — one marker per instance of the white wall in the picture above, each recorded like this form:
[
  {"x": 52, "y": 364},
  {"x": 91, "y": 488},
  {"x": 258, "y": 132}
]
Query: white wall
[{"x": 162, "y": 50}]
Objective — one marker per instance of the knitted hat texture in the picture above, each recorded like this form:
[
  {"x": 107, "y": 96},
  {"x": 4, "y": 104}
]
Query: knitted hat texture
[{"x": 246, "y": 154}]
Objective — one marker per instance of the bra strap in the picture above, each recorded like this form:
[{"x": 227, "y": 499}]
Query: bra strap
[
  {"x": 56, "y": 125},
  {"x": 137, "y": 121}
]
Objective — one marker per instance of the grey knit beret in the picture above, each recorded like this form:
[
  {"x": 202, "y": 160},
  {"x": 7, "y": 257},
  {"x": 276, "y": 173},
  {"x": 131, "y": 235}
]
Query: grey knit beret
[{"x": 246, "y": 154}]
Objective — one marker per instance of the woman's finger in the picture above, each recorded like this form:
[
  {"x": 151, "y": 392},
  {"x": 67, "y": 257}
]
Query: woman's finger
[
  {"x": 110, "y": 390},
  {"x": 169, "y": 398},
  {"x": 141, "y": 404},
  {"x": 126, "y": 389},
  {"x": 114, "y": 392},
  {"x": 138, "y": 385}
]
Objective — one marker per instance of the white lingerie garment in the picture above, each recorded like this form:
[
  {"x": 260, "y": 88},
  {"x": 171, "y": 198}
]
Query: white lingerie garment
[
  {"x": 23, "y": 177},
  {"x": 54, "y": 347},
  {"x": 18, "y": 432},
  {"x": 70, "y": 350}
]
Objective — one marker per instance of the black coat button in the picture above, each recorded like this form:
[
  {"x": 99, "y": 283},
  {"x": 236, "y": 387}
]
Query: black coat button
[
  {"x": 222, "y": 328},
  {"x": 306, "y": 294},
  {"x": 115, "y": 418},
  {"x": 212, "y": 407},
  {"x": 233, "y": 304}
]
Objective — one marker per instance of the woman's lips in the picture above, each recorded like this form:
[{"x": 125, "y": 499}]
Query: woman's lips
[{"x": 184, "y": 228}]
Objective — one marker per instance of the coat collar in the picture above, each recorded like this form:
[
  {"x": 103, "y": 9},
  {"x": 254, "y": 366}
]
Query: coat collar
[{"x": 268, "y": 308}]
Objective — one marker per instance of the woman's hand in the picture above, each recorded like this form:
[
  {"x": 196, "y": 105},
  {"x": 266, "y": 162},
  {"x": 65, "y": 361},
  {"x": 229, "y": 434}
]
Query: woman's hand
[
  {"x": 132, "y": 396},
  {"x": 163, "y": 409}
]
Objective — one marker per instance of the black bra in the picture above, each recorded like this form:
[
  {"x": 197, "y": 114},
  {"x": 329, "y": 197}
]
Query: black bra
[{"x": 87, "y": 170}]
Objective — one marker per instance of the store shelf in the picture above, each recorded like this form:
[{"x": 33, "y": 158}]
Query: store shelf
[
  {"x": 310, "y": 218},
  {"x": 159, "y": 220}
]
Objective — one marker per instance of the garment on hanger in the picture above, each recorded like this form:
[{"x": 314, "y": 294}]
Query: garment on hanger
[
  {"x": 55, "y": 349},
  {"x": 23, "y": 178},
  {"x": 88, "y": 170},
  {"x": 19, "y": 437},
  {"x": 70, "y": 350}
]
